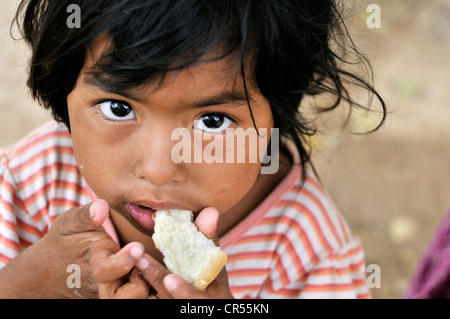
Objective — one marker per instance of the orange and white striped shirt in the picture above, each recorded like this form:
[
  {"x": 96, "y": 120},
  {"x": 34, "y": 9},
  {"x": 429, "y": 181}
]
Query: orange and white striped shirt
[{"x": 294, "y": 245}]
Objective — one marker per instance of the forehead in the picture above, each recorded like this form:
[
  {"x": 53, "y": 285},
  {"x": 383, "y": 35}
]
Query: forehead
[{"x": 210, "y": 74}]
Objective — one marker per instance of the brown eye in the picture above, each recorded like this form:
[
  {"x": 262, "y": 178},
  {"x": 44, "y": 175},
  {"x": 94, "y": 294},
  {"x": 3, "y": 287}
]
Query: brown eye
[
  {"x": 120, "y": 109},
  {"x": 117, "y": 111},
  {"x": 213, "y": 123}
]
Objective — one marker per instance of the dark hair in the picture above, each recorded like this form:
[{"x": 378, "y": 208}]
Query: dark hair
[{"x": 284, "y": 46}]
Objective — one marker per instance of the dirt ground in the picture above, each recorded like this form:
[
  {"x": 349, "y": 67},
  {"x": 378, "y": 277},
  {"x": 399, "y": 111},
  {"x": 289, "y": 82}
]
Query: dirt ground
[{"x": 392, "y": 186}]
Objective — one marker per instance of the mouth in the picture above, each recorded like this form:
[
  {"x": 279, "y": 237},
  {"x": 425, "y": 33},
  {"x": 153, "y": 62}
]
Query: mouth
[
  {"x": 142, "y": 212},
  {"x": 143, "y": 215}
]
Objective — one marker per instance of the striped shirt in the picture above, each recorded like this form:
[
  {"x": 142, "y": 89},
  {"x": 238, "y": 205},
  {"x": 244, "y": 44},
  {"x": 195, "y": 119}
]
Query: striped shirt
[{"x": 294, "y": 245}]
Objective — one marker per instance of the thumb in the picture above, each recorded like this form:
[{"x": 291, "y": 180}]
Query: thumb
[
  {"x": 83, "y": 219},
  {"x": 98, "y": 212}
]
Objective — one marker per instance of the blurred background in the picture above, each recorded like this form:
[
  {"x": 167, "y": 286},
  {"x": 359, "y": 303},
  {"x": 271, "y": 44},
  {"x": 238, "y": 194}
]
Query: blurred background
[{"x": 392, "y": 186}]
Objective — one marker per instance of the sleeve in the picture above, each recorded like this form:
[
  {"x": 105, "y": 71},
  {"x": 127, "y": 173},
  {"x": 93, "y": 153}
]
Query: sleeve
[
  {"x": 16, "y": 225},
  {"x": 340, "y": 275}
]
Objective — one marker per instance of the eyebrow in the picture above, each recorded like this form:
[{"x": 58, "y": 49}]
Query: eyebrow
[
  {"x": 95, "y": 82},
  {"x": 224, "y": 98},
  {"x": 232, "y": 98}
]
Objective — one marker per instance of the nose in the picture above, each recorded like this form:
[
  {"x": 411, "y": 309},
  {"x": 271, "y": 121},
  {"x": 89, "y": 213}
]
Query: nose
[{"x": 155, "y": 163}]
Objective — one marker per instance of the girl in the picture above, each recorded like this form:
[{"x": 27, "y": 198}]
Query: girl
[{"x": 118, "y": 87}]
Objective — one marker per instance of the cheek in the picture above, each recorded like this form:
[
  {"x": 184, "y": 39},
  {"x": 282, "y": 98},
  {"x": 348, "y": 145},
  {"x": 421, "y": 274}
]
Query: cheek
[
  {"x": 97, "y": 164},
  {"x": 97, "y": 152},
  {"x": 223, "y": 185},
  {"x": 104, "y": 168},
  {"x": 226, "y": 184}
]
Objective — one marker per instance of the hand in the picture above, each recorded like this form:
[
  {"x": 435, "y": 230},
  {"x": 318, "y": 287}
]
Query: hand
[
  {"x": 76, "y": 237},
  {"x": 110, "y": 269},
  {"x": 111, "y": 273},
  {"x": 168, "y": 286}
]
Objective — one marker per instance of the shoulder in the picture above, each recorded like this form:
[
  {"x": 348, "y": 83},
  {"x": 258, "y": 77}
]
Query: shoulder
[
  {"x": 315, "y": 226},
  {"x": 309, "y": 205},
  {"x": 297, "y": 243},
  {"x": 40, "y": 156},
  {"x": 38, "y": 151},
  {"x": 301, "y": 210},
  {"x": 52, "y": 137},
  {"x": 301, "y": 202},
  {"x": 42, "y": 172}
]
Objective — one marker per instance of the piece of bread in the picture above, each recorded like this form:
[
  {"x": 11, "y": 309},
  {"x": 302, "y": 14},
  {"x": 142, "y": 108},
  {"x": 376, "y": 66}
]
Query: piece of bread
[{"x": 187, "y": 252}]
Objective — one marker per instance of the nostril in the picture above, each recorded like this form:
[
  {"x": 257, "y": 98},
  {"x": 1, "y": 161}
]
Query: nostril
[{"x": 162, "y": 175}]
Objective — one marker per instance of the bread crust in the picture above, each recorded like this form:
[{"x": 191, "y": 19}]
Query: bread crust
[
  {"x": 217, "y": 258},
  {"x": 216, "y": 266}
]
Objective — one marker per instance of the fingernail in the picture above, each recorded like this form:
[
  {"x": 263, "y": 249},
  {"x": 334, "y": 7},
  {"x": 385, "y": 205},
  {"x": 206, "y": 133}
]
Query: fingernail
[
  {"x": 92, "y": 210},
  {"x": 170, "y": 283},
  {"x": 142, "y": 264},
  {"x": 136, "y": 251}
]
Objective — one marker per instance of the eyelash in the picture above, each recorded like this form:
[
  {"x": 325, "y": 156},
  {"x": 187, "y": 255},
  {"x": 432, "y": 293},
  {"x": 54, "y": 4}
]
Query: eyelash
[
  {"x": 99, "y": 102},
  {"x": 231, "y": 118},
  {"x": 214, "y": 131},
  {"x": 100, "y": 113}
]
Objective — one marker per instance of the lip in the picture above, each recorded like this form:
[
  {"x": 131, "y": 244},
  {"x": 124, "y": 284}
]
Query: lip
[
  {"x": 142, "y": 211},
  {"x": 141, "y": 214},
  {"x": 153, "y": 205}
]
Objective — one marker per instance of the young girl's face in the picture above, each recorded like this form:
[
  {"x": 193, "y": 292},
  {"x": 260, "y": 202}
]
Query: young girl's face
[{"x": 124, "y": 147}]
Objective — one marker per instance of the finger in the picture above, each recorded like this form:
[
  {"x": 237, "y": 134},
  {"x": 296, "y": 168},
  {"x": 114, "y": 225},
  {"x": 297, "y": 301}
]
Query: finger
[
  {"x": 206, "y": 223},
  {"x": 83, "y": 219},
  {"x": 178, "y": 288},
  {"x": 154, "y": 273},
  {"x": 98, "y": 212},
  {"x": 135, "y": 288},
  {"x": 108, "y": 266}
]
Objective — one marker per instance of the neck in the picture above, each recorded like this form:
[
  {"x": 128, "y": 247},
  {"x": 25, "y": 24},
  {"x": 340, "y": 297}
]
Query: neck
[{"x": 264, "y": 185}]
